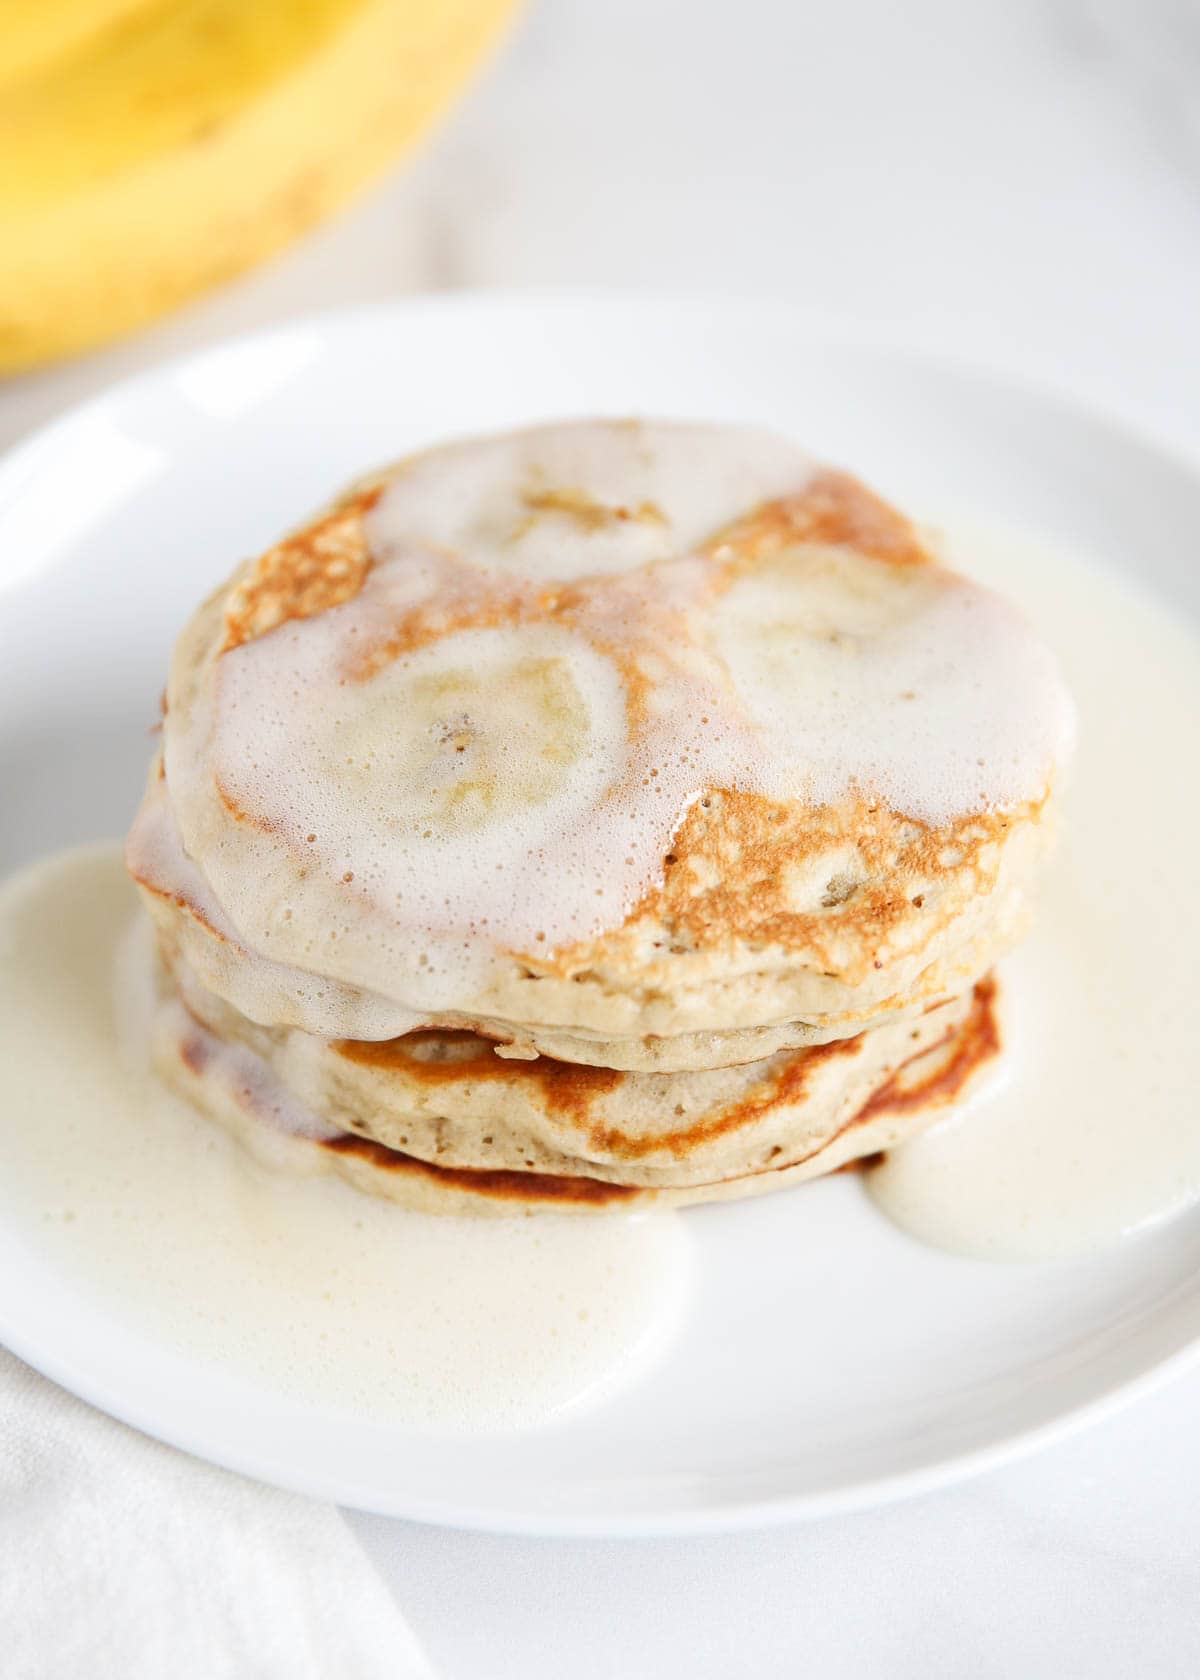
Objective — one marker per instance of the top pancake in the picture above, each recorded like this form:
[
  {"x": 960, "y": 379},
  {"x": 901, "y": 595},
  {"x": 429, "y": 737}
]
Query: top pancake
[{"x": 627, "y": 742}]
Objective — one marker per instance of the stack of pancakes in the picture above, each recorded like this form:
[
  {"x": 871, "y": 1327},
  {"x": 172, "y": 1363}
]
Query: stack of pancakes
[{"x": 608, "y": 813}]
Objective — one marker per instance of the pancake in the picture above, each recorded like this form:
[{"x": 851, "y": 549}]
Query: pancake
[
  {"x": 239, "y": 1089},
  {"x": 195, "y": 933},
  {"x": 645, "y": 746},
  {"x": 447, "y": 1097}
]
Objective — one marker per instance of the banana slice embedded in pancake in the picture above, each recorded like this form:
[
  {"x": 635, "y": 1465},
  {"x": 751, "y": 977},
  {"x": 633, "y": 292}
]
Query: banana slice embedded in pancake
[
  {"x": 558, "y": 503},
  {"x": 422, "y": 796},
  {"x": 487, "y": 736},
  {"x": 929, "y": 686}
]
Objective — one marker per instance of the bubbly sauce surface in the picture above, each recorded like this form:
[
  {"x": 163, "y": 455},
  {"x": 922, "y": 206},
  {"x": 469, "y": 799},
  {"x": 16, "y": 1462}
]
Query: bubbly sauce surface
[
  {"x": 301, "y": 1284},
  {"x": 1094, "y": 1131},
  {"x": 565, "y": 638}
]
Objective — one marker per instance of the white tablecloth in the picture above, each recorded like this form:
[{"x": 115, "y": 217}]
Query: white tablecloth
[
  {"x": 1018, "y": 179},
  {"x": 121, "y": 1559}
]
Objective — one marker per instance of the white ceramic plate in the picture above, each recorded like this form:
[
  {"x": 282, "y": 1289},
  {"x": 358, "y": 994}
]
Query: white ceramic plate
[{"x": 826, "y": 1360}]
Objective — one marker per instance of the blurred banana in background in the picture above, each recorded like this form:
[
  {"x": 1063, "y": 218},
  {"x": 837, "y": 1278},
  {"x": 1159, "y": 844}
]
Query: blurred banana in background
[{"x": 152, "y": 148}]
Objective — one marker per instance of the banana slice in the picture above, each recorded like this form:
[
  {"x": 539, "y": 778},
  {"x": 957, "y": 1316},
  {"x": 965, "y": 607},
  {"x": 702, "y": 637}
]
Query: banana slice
[
  {"x": 861, "y": 677},
  {"x": 562, "y": 502},
  {"x": 488, "y": 731},
  {"x": 420, "y": 800}
]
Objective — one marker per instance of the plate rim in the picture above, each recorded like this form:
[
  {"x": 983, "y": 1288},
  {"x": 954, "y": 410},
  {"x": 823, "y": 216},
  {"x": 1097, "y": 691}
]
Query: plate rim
[
  {"x": 1071, "y": 392},
  {"x": 1075, "y": 400},
  {"x": 669, "y": 1521}
]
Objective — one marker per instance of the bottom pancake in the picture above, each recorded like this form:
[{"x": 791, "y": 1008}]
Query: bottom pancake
[{"x": 234, "y": 1085}]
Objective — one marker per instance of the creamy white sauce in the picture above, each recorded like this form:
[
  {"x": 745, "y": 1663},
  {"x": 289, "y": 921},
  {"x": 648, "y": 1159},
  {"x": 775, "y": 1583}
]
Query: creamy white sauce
[
  {"x": 304, "y": 1284},
  {"x": 1094, "y": 1131},
  {"x": 300, "y": 1283},
  {"x": 408, "y": 821}
]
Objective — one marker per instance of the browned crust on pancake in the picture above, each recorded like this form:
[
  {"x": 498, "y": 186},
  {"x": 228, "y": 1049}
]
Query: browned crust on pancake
[
  {"x": 928, "y": 1082},
  {"x": 194, "y": 1052},
  {"x": 972, "y": 1043},
  {"x": 501, "y": 1183},
  {"x": 835, "y": 510},
  {"x": 730, "y": 873},
  {"x": 498, "y": 1183},
  {"x": 317, "y": 568},
  {"x": 781, "y": 1090},
  {"x": 569, "y": 1088},
  {"x": 325, "y": 563},
  {"x": 170, "y": 895}
]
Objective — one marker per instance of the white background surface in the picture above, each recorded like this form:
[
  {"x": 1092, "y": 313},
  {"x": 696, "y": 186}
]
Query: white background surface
[{"x": 1019, "y": 181}]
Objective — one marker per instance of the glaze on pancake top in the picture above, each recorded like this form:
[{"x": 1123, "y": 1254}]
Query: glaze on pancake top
[{"x": 484, "y": 746}]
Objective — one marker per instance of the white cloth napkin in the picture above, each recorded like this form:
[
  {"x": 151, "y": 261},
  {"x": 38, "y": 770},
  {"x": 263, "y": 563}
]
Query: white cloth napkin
[{"x": 121, "y": 1559}]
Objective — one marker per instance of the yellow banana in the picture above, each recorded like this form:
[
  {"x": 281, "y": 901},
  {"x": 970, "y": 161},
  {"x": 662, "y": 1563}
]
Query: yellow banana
[
  {"x": 33, "y": 33},
  {"x": 179, "y": 141}
]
